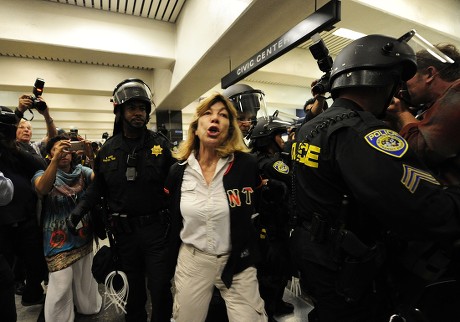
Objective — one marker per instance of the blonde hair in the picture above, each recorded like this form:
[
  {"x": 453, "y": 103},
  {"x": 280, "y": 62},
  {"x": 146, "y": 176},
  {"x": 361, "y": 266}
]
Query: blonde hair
[{"x": 233, "y": 143}]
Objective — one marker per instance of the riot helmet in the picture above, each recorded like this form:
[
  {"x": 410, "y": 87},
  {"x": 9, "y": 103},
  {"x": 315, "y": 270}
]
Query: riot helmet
[
  {"x": 246, "y": 99},
  {"x": 125, "y": 91},
  {"x": 131, "y": 88},
  {"x": 373, "y": 61},
  {"x": 265, "y": 130}
]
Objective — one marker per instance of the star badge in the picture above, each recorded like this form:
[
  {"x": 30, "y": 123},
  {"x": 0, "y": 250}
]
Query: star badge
[{"x": 157, "y": 150}]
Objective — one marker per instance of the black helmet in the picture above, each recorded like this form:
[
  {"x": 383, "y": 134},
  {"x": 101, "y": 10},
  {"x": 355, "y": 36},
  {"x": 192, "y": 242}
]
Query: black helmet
[
  {"x": 266, "y": 129},
  {"x": 373, "y": 61},
  {"x": 246, "y": 99},
  {"x": 131, "y": 88}
]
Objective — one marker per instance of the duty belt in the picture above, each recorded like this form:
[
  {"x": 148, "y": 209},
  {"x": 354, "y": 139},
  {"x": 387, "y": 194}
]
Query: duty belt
[
  {"x": 124, "y": 222},
  {"x": 321, "y": 232}
]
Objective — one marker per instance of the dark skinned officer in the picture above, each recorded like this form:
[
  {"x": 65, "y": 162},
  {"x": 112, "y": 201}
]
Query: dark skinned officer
[
  {"x": 363, "y": 197},
  {"x": 130, "y": 169}
]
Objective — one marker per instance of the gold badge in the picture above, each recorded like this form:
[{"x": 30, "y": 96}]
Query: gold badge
[
  {"x": 109, "y": 158},
  {"x": 281, "y": 167},
  {"x": 157, "y": 150}
]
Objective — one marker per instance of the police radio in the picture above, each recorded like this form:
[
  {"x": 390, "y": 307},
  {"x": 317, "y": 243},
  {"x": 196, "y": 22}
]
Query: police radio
[{"x": 131, "y": 162}]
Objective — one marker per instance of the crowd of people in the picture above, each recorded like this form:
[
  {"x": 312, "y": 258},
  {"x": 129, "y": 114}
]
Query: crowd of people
[{"x": 362, "y": 205}]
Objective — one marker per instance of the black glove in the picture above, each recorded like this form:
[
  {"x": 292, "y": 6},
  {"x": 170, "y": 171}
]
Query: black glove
[
  {"x": 275, "y": 191},
  {"x": 72, "y": 222}
]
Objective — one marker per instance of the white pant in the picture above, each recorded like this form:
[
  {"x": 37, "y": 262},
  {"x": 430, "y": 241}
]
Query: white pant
[
  {"x": 71, "y": 286},
  {"x": 196, "y": 275}
]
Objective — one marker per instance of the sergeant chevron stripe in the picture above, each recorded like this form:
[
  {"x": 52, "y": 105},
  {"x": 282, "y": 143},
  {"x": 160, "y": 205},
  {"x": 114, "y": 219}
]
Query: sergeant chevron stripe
[{"x": 412, "y": 176}]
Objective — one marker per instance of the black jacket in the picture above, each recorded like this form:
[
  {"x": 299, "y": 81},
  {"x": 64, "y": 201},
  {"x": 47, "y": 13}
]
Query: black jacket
[
  {"x": 20, "y": 166},
  {"x": 347, "y": 151},
  {"x": 141, "y": 197},
  {"x": 241, "y": 180}
]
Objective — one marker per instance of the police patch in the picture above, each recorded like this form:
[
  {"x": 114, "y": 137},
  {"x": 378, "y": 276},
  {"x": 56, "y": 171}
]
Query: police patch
[
  {"x": 281, "y": 167},
  {"x": 387, "y": 141}
]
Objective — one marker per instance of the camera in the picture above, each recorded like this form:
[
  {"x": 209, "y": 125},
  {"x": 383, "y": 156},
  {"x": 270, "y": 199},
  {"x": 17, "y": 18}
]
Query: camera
[
  {"x": 76, "y": 146},
  {"x": 7, "y": 117},
  {"x": 73, "y": 134},
  {"x": 8, "y": 122},
  {"x": 320, "y": 52},
  {"x": 37, "y": 92}
]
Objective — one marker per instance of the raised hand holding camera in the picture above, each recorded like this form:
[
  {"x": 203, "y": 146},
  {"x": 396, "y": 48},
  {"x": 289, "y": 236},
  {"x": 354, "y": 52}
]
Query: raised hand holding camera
[{"x": 34, "y": 101}]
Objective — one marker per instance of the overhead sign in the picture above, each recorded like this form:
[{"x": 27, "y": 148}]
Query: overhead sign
[{"x": 323, "y": 18}]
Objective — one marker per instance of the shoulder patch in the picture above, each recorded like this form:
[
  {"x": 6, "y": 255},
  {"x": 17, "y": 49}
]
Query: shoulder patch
[
  {"x": 387, "y": 141},
  {"x": 412, "y": 177},
  {"x": 281, "y": 167}
]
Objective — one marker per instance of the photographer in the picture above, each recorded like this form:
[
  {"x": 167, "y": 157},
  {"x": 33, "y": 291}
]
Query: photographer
[
  {"x": 68, "y": 256},
  {"x": 433, "y": 134},
  {"x": 20, "y": 235},
  {"x": 315, "y": 105},
  {"x": 24, "y": 131}
]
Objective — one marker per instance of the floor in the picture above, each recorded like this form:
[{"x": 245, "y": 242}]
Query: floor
[
  {"x": 302, "y": 306},
  {"x": 30, "y": 313}
]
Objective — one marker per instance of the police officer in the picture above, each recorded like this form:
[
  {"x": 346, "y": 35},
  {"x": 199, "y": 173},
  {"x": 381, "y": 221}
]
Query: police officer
[
  {"x": 273, "y": 220},
  {"x": 248, "y": 102},
  {"x": 363, "y": 197},
  {"x": 130, "y": 169}
]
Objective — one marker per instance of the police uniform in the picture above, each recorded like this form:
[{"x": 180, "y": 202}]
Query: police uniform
[
  {"x": 273, "y": 225},
  {"x": 356, "y": 183},
  {"x": 130, "y": 173}
]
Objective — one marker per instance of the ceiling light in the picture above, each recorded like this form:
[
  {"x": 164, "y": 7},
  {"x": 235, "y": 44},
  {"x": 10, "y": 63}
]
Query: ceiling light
[{"x": 347, "y": 33}]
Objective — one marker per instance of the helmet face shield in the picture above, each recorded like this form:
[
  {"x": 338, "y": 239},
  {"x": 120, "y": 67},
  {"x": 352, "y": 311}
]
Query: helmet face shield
[
  {"x": 250, "y": 104},
  {"x": 132, "y": 89},
  {"x": 418, "y": 43}
]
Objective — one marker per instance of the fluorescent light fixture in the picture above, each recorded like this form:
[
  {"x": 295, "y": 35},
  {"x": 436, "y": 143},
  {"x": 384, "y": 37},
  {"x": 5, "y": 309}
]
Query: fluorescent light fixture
[{"x": 348, "y": 33}]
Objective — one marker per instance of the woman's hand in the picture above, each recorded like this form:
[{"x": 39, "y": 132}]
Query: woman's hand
[{"x": 61, "y": 149}]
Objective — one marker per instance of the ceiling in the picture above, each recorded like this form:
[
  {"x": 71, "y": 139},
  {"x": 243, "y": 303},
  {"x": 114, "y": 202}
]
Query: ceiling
[
  {"x": 163, "y": 10},
  {"x": 169, "y": 11},
  {"x": 263, "y": 22}
]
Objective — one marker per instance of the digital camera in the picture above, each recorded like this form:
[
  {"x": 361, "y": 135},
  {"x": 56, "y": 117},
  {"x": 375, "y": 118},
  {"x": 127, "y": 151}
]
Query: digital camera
[
  {"x": 73, "y": 134},
  {"x": 7, "y": 116},
  {"x": 37, "y": 92},
  {"x": 76, "y": 146},
  {"x": 320, "y": 52}
]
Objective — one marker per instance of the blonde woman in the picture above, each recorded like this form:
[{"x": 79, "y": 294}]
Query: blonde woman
[{"x": 213, "y": 191}]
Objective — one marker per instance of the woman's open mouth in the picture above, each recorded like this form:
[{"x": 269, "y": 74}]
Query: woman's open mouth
[{"x": 213, "y": 131}]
